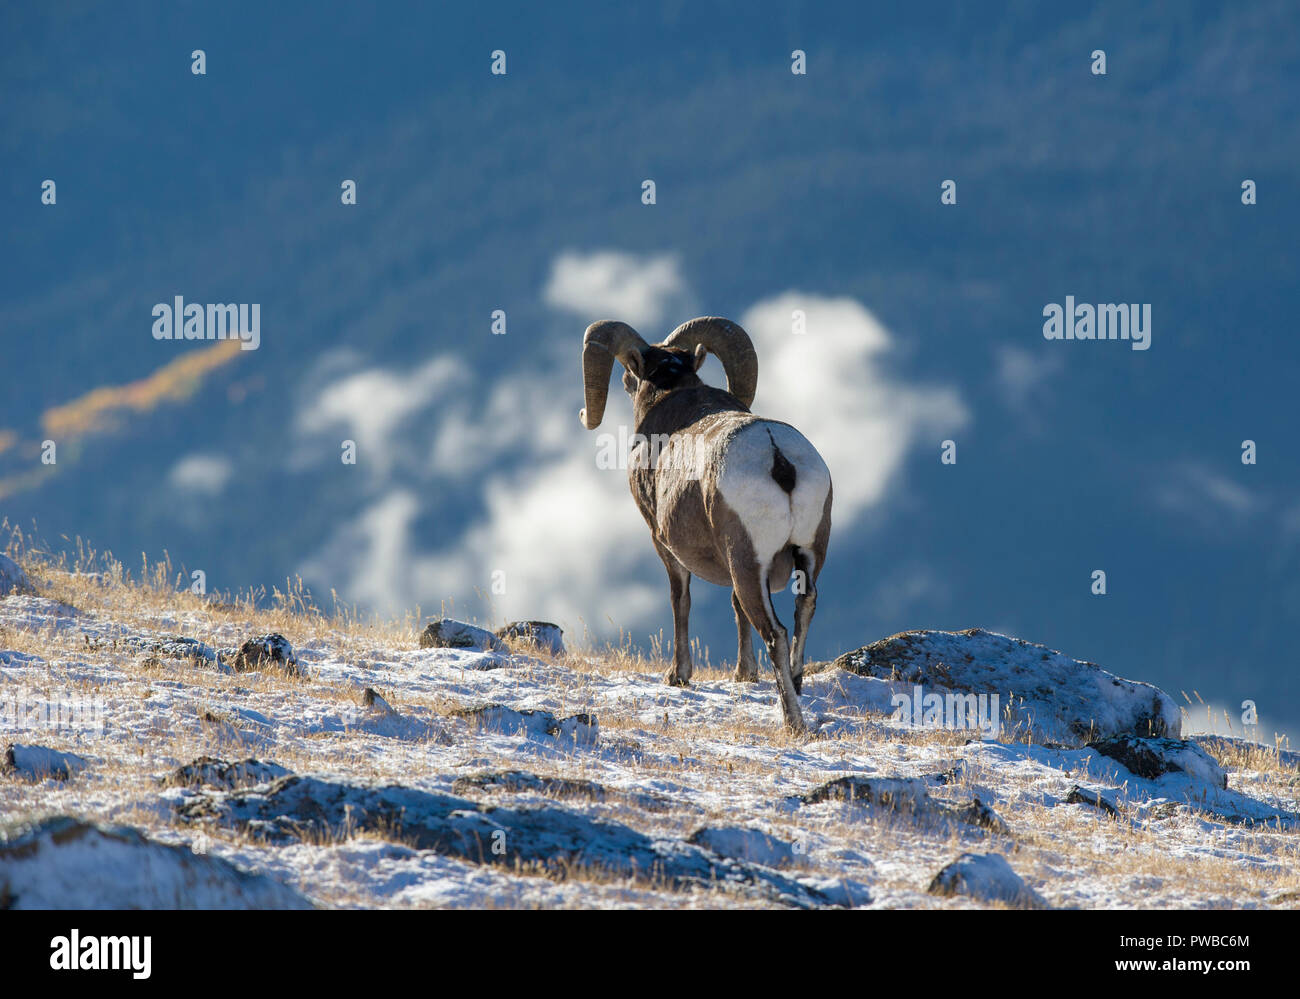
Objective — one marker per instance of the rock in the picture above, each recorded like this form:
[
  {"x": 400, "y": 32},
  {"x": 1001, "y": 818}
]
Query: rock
[
  {"x": 371, "y": 698},
  {"x": 542, "y": 634},
  {"x": 173, "y": 647},
  {"x": 267, "y": 652},
  {"x": 1065, "y": 701},
  {"x": 904, "y": 796},
  {"x": 209, "y": 771},
  {"x": 515, "y": 781},
  {"x": 12, "y": 578},
  {"x": 979, "y": 814},
  {"x": 64, "y": 863},
  {"x": 582, "y": 729},
  {"x": 1153, "y": 758},
  {"x": 987, "y": 877},
  {"x": 740, "y": 843},
  {"x": 1097, "y": 799},
  {"x": 36, "y": 763},
  {"x": 898, "y": 795},
  {"x": 952, "y": 775},
  {"x": 446, "y": 633},
  {"x": 549, "y": 836},
  {"x": 840, "y": 892}
]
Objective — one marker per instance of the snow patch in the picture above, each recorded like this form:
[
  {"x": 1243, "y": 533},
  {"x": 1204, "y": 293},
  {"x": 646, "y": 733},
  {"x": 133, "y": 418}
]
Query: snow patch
[{"x": 64, "y": 863}]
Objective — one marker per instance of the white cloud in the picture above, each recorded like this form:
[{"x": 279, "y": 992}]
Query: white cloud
[
  {"x": 640, "y": 291},
  {"x": 565, "y": 533},
  {"x": 1204, "y": 496},
  {"x": 830, "y": 383},
  {"x": 201, "y": 473},
  {"x": 1021, "y": 375},
  {"x": 373, "y": 407}
]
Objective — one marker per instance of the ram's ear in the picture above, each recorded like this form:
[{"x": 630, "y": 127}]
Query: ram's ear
[
  {"x": 630, "y": 382},
  {"x": 700, "y": 355}
]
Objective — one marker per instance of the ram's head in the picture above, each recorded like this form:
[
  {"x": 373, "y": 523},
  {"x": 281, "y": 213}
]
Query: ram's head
[{"x": 651, "y": 370}]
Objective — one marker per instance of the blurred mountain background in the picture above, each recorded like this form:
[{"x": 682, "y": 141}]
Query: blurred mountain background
[{"x": 774, "y": 192}]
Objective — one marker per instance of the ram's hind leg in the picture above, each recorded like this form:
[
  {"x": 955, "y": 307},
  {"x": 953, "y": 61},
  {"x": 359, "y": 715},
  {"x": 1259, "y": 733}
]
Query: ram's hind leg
[
  {"x": 679, "y": 589},
  {"x": 805, "y": 605},
  {"x": 746, "y": 663},
  {"x": 756, "y": 600}
]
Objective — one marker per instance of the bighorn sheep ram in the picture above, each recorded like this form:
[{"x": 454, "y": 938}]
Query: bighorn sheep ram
[{"x": 730, "y": 497}]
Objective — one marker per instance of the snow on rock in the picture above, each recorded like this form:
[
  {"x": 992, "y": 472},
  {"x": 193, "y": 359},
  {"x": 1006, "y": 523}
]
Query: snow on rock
[
  {"x": 446, "y": 633},
  {"x": 174, "y": 647},
  {"x": 64, "y": 863},
  {"x": 209, "y": 771},
  {"x": 267, "y": 651},
  {"x": 12, "y": 577},
  {"x": 905, "y": 796},
  {"x": 1153, "y": 758},
  {"x": 580, "y": 729},
  {"x": 36, "y": 763},
  {"x": 840, "y": 892},
  {"x": 1096, "y": 797},
  {"x": 312, "y": 809},
  {"x": 745, "y": 844},
  {"x": 1173, "y": 793},
  {"x": 520, "y": 781},
  {"x": 546, "y": 636},
  {"x": 987, "y": 877},
  {"x": 1050, "y": 696}
]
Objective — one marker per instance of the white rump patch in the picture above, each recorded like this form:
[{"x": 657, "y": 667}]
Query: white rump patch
[{"x": 774, "y": 518}]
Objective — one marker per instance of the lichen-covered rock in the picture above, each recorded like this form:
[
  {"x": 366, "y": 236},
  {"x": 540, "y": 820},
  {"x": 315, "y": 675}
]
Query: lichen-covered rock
[
  {"x": 1153, "y": 758},
  {"x": 174, "y": 647},
  {"x": 740, "y": 843},
  {"x": 543, "y": 635},
  {"x": 908, "y": 797},
  {"x": 550, "y": 835},
  {"x": 266, "y": 652},
  {"x": 209, "y": 771},
  {"x": 521, "y": 781},
  {"x": 987, "y": 877},
  {"x": 1097, "y": 798},
  {"x": 1043, "y": 695},
  {"x": 446, "y": 633}
]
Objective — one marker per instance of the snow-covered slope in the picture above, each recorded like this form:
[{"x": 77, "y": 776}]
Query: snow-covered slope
[{"x": 378, "y": 773}]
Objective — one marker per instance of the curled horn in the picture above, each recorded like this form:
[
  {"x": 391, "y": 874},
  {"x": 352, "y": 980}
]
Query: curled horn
[
  {"x": 729, "y": 344},
  {"x": 603, "y": 342}
]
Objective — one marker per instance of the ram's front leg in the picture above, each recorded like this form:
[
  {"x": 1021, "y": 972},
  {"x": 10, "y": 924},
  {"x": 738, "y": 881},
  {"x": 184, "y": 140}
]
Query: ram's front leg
[{"x": 679, "y": 589}]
